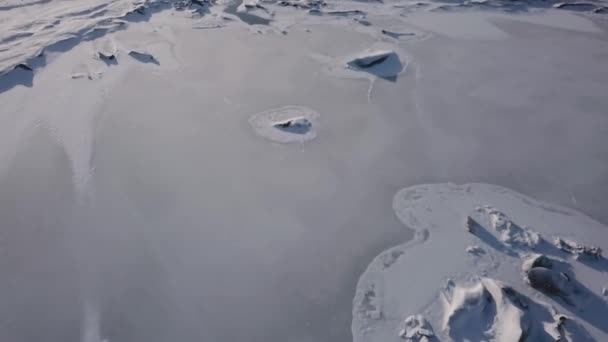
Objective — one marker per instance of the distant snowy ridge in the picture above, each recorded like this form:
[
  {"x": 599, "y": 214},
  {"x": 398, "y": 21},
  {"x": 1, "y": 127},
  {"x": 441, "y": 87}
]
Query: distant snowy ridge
[{"x": 29, "y": 27}]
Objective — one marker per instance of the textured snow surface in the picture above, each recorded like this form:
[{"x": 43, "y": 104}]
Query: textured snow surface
[
  {"x": 28, "y": 28},
  {"x": 522, "y": 287}
]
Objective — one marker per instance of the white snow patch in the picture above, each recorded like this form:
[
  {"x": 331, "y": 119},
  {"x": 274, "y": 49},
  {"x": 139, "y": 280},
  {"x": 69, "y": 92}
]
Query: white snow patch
[{"x": 488, "y": 298}]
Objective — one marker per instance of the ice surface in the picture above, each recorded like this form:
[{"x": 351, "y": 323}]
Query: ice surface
[{"x": 146, "y": 174}]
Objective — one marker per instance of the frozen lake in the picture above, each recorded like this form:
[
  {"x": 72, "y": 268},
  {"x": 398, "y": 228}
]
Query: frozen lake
[{"x": 146, "y": 192}]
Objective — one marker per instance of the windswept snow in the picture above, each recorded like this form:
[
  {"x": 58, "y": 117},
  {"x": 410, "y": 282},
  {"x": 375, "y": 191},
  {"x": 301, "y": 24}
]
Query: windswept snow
[{"x": 486, "y": 297}]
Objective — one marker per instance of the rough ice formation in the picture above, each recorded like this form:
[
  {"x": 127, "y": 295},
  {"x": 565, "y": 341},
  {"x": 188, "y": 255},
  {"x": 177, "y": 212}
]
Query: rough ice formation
[
  {"x": 371, "y": 58},
  {"x": 107, "y": 51},
  {"x": 397, "y": 35},
  {"x": 382, "y": 63},
  {"x": 577, "y": 250},
  {"x": 475, "y": 250},
  {"x": 370, "y": 307},
  {"x": 296, "y": 125},
  {"x": 106, "y": 56},
  {"x": 416, "y": 329},
  {"x": 302, "y": 4},
  {"x": 286, "y": 124},
  {"x": 511, "y": 233},
  {"x": 143, "y": 57}
]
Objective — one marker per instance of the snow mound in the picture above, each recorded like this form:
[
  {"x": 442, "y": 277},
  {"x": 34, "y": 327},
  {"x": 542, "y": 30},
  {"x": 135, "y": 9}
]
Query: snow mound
[
  {"x": 382, "y": 63},
  {"x": 371, "y": 58},
  {"x": 286, "y": 124},
  {"x": 381, "y": 60},
  {"x": 484, "y": 311},
  {"x": 487, "y": 298}
]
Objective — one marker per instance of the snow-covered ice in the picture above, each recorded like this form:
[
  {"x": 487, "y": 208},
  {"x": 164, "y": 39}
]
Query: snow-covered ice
[{"x": 467, "y": 299}]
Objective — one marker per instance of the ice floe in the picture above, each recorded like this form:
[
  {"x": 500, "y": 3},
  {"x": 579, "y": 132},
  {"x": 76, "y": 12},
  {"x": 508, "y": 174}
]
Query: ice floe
[{"x": 485, "y": 297}]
